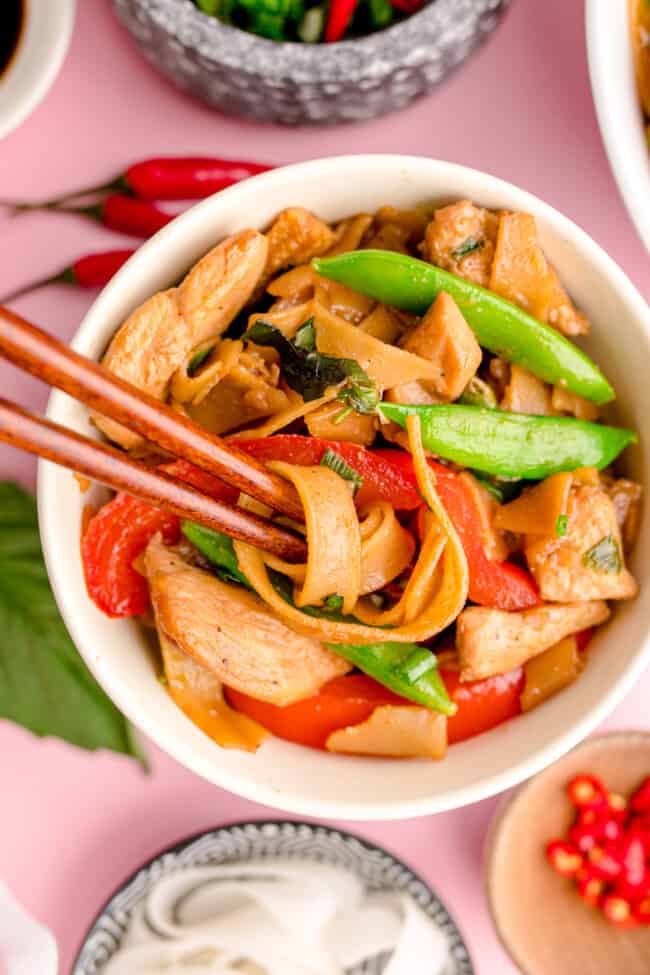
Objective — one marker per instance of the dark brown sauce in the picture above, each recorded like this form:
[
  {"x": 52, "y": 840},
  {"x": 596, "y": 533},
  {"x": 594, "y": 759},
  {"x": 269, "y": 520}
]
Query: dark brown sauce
[{"x": 11, "y": 25}]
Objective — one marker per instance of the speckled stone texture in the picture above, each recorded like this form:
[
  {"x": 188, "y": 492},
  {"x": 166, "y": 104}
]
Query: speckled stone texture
[{"x": 241, "y": 74}]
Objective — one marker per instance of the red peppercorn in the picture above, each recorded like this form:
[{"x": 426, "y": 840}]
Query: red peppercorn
[
  {"x": 590, "y": 886},
  {"x": 640, "y": 801},
  {"x": 618, "y": 911},
  {"x": 605, "y": 863},
  {"x": 564, "y": 857},
  {"x": 642, "y": 911},
  {"x": 587, "y": 792}
]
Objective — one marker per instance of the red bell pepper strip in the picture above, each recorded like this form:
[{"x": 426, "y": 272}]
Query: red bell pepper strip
[
  {"x": 500, "y": 585},
  {"x": 482, "y": 704},
  {"x": 115, "y": 537},
  {"x": 339, "y": 18},
  {"x": 342, "y": 702},
  {"x": 92, "y": 271},
  {"x": 120, "y": 532},
  {"x": 382, "y": 479}
]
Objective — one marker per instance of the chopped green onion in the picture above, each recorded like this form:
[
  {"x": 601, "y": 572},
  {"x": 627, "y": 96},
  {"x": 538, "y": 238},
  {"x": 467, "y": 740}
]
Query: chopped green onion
[
  {"x": 561, "y": 525},
  {"x": 604, "y": 556},
  {"x": 198, "y": 359},
  {"x": 312, "y": 25},
  {"x": 467, "y": 247},
  {"x": 335, "y": 603},
  {"x": 336, "y": 463}
]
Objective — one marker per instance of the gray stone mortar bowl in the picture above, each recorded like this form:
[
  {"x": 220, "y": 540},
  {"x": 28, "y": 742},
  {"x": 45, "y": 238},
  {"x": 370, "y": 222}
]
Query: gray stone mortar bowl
[{"x": 319, "y": 84}]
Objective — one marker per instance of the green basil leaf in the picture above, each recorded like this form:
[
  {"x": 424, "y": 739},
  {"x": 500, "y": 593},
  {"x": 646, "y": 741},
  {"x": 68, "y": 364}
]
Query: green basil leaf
[
  {"x": 604, "y": 556},
  {"x": 198, "y": 359},
  {"x": 310, "y": 373},
  {"x": 45, "y": 686},
  {"x": 561, "y": 525},
  {"x": 336, "y": 463}
]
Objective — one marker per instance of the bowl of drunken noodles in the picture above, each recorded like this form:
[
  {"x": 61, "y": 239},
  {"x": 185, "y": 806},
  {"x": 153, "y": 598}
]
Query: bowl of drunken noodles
[
  {"x": 450, "y": 374},
  {"x": 618, "y": 44}
]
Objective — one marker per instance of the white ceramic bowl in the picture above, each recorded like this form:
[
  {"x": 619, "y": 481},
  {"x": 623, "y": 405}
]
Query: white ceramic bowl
[
  {"x": 611, "y": 68},
  {"x": 284, "y": 775},
  {"x": 42, "y": 46}
]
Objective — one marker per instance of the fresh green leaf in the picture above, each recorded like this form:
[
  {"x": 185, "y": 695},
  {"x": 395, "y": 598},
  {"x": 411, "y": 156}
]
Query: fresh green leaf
[
  {"x": 198, "y": 359},
  {"x": 467, "y": 247},
  {"x": 604, "y": 556},
  {"x": 360, "y": 393},
  {"x": 336, "y": 463},
  {"x": 217, "y": 549},
  {"x": 311, "y": 373},
  {"x": 561, "y": 525},
  {"x": 44, "y": 684}
]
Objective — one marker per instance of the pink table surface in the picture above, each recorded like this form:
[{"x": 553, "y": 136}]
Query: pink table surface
[{"x": 73, "y": 825}]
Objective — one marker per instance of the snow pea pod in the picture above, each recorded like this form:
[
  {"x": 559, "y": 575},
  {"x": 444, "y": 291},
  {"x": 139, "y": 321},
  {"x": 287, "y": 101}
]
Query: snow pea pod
[
  {"x": 501, "y": 327},
  {"x": 513, "y": 444}
]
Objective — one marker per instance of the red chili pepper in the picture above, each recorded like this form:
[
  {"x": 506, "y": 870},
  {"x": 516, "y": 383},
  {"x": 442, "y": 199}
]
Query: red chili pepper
[
  {"x": 339, "y": 18},
  {"x": 640, "y": 800},
  {"x": 120, "y": 532},
  {"x": 164, "y": 178},
  {"x": 186, "y": 178},
  {"x": 618, "y": 911},
  {"x": 564, "y": 857},
  {"x": 125, "y": 215},
  {"x": 583, "y": 639},
  {"x": 587, "y": 792},
  {"x": 634, "y": 882},
  {"x": 92, "y": 271}
]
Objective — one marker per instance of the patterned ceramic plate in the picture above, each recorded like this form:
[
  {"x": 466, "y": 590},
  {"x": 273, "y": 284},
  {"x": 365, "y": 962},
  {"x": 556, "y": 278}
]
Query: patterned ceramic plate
[{"x": 242, "y": 842}]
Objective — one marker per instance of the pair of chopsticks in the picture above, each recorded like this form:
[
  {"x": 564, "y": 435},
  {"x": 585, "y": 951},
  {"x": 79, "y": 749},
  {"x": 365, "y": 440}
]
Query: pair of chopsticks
[{"x": 44, "y": 357}]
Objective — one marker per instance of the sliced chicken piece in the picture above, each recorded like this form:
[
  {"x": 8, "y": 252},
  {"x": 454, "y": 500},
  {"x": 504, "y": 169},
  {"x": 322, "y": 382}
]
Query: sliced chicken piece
[
  {"x": 587, "y": 561},
  {"x": 460, "y": 239},
  {"x": 526, "y": 393},
  {"x": 229, "y": 631},
  {"x": 490, "y": 641},
  {"x": 626, "y": 496},
  {"x": 295, "y": 237},
  {"x": 218, "y": 287},
  {"x": 157, "y": 338},
  {"x": 522, "y": 274}
]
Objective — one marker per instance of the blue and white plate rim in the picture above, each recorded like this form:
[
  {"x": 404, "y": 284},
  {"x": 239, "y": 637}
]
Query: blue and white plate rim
[{"x": 264, "y": 839}]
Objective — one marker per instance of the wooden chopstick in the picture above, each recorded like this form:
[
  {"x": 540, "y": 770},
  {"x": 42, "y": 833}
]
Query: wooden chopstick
[
  {"x": 116, "y": 469},
  {"x": 43, "y": 356}
]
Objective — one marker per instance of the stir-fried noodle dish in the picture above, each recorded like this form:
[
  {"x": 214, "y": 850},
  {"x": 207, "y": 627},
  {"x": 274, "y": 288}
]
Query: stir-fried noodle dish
[{"x": 414, "y": 375}]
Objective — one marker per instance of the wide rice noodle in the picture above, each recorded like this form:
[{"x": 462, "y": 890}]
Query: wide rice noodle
[{"x": 434, "y": 596}]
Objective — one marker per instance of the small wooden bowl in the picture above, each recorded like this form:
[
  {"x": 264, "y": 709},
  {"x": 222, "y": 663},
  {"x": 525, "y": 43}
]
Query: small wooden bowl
[{"x": 542, "y": 922}]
